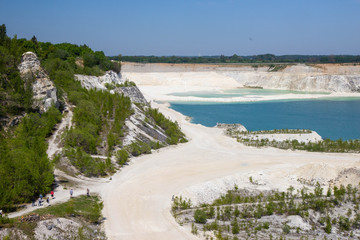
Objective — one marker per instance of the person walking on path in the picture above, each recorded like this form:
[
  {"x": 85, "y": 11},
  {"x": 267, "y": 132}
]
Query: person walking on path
[
  {"x": 41, "y": 196},
  {"x": 88, "y": 192},
  {"x": 48, "y": 201},
  {"x": 52, "y": 194},
  {"x": 33, "y": 202},
  {"x": 71, "y": 192},
  {"x": 39, "y": 202}
]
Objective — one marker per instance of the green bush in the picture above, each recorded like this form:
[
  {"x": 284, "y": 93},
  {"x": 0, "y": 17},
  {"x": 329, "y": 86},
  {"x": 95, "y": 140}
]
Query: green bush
[
  {"x": 200, "y": 216},
  {"x": 328, "y": 226},
  {"x": 286, "y": 229},
  {"x": 138, "y": 148},
  {"x": 122, "y": 157},
  {"x": 344, "y": 223},
  {"x": 235, "y": 229}
]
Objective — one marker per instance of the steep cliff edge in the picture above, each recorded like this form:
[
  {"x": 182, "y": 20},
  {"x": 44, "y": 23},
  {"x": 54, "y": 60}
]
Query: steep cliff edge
[
  {"x": 44, "y": 90},
  {"x": 318, "y": 77}
]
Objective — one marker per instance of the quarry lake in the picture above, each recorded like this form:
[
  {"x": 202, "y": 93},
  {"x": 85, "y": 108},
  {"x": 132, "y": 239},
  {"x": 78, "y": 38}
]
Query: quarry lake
[
  {"x": 331, "y": 118},
  {"x": 250, "y": 93}
]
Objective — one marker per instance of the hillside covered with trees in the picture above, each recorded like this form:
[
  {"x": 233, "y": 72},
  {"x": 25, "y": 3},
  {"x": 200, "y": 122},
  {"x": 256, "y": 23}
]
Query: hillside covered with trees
[{"x": 25, "y": 168}]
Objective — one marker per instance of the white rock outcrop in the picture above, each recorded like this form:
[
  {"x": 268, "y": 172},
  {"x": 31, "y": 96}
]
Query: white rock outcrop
[
  {"x": 99, "y": 83},
  {"x": 57, "y": 228},
  {"x": 44, "y": 90},
  {"x": 114, "y": 79}
]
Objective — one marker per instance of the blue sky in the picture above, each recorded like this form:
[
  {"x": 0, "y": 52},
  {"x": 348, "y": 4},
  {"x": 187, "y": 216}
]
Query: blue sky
[{"x": 191, "y": 28}]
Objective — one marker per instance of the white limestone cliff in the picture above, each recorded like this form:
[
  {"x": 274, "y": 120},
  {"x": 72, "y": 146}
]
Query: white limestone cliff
[{"x": 44, "y": 90}]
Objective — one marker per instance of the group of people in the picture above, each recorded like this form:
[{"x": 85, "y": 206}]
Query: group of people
[{"x": 40, "y": 200}]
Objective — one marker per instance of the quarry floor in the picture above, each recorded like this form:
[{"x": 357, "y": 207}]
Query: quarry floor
[{"x": 137, "y": 201}]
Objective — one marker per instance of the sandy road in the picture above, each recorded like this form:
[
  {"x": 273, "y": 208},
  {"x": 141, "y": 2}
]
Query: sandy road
[{"x": 137, "y": 202}]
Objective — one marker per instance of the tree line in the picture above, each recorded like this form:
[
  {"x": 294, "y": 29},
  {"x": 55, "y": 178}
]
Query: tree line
[{"x": 262, "y": 58}]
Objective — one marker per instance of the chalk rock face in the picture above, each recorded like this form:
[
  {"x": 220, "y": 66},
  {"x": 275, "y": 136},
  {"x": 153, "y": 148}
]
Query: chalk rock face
[
  {"x": 112, "y": 78},
  {"x": 327, "y": 83},
  {"x": 133, "y": 93},
  {"x": 89, "y": 82},
  {"x": 340, "y": 78},
  {"x": 44, "y": 90}
]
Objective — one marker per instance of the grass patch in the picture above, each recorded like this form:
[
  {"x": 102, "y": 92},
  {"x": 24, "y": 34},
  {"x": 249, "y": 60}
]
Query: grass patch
[{"x": 87, "y": 208}]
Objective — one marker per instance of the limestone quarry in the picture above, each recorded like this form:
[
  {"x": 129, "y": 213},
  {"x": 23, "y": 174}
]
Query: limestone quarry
[{"x": 335, "y": 78}]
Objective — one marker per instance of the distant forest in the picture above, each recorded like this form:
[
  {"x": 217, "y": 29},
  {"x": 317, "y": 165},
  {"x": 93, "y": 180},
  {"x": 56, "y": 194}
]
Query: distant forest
[{"x": 264, "y": 58}]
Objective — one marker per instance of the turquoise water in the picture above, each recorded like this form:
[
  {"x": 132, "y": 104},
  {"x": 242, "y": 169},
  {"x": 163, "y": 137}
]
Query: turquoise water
[
  {"x": 240, "y": 92},
  {"x": 331, "y": 118}
]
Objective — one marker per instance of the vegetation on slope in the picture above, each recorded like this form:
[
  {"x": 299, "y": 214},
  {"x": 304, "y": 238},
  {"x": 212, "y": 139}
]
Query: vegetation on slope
[
  {"x": 244, "y": 214},
  {"x": 98, "y": 118},
  {"x": 327, "y": 145},
  {"x": 171, "y": 129},
  {"x": 24, "y": 165}
]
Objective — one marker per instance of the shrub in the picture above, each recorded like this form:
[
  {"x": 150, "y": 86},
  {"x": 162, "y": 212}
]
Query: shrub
[
  {"x": 200, "y": 216},
  {"x": 286, "y": 229},
  {"x": 122, "y": 157},
  {"x": 235, "y": 227},
  {"x": 344, "y": 223},
  {"x": 328, "y": 225}
]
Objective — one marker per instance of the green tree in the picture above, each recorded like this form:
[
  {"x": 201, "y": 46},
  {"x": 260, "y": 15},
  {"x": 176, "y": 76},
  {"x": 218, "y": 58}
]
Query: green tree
[{"x": 2, "y": 34}]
